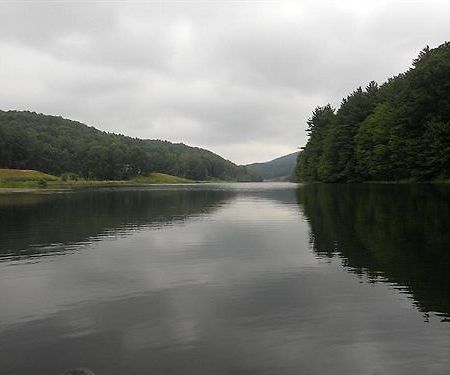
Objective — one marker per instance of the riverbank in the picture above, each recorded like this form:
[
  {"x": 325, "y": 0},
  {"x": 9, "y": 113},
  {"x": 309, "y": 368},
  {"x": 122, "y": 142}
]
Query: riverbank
[{"x": 20, "y": 180}]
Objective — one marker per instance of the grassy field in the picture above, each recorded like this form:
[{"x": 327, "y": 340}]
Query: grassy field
[
  {"x": 160, "y": 178},
  {"x": 30, "y": 179},
  {"x": 24, "y": 178}
]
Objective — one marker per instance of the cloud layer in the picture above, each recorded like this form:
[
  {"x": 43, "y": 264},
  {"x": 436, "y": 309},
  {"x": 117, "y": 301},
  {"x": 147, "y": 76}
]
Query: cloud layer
[{"x": 239, "y": 78}]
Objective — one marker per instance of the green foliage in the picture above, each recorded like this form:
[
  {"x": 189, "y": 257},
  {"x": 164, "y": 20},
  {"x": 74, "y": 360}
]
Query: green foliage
[
  {"x": 56, "y": 145},
  {"x": 312, "y": 162},
  {"x": 399, "y": 131},
  {"x": 160, "y": 178},
  {"x": 19, "y": 178},
  {"x": 69, "y": 177},
  {"x": 372, "y": 148},
  {"x": 42, "y": 183}
]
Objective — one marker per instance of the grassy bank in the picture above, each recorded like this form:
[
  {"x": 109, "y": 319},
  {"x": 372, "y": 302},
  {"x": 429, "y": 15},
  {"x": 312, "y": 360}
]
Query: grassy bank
[
  {"x": 25, "y": 179},
  {"x": 160, "y": 178},
  {"x": 29, "y": 179}
]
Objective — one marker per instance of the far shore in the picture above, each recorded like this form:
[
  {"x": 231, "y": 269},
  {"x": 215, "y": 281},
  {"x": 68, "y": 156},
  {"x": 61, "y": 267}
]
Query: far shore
[
  {"x": 27, "y": 180},
  {"x": 75, "y": 185}
]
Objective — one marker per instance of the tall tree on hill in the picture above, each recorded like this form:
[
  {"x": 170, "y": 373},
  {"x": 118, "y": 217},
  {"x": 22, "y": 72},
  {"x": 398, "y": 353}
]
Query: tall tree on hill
[{"x": 311, "y": 165}]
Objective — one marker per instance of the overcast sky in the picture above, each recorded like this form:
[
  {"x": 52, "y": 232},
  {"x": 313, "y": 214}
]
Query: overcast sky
[{"x": 238, "y": 78}]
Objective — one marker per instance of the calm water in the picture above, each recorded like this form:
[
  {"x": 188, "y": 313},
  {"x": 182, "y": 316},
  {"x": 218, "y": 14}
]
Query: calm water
[{"x": 227, "y": 279}]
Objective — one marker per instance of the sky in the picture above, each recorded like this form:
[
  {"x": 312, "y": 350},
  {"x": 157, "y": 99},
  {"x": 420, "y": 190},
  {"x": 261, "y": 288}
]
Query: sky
[{"x": 237, "y": 78}]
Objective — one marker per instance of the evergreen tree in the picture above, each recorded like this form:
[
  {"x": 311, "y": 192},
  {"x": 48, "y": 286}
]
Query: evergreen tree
[{"x": 398, "y": 131}]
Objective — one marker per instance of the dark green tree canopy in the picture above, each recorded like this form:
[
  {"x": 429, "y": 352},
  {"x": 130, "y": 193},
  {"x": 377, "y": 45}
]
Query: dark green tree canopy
[
  {"x": 398, "y": 131},
  {"x": 56, "y": 145}
]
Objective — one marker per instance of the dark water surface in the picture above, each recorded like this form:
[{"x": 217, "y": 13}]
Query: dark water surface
[{"x": 227, "y": 279}]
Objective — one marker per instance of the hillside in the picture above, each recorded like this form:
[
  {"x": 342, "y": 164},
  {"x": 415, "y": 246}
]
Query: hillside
[
  {"x": 56, "y": 145},
  {"x": 399, "y": 131},
  {"x": 279, "y": 168}
]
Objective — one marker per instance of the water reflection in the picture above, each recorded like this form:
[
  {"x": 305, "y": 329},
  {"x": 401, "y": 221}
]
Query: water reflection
[
  {"x": 394, "y": 233},
  {"x": 217, "y": 279},
  {"x": 35, "y": 224}
]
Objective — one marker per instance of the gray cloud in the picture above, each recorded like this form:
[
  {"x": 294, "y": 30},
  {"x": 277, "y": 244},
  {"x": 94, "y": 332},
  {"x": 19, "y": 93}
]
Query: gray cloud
[{"x": 238, "y": 78}]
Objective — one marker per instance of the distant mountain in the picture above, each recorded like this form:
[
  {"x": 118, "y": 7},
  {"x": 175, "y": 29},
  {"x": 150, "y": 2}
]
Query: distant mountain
[
  {"x": 55, "y": 145},
  {"x": 281, "y": 168}
]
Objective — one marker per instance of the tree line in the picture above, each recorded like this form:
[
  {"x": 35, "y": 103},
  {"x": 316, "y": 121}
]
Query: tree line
[
  {"x": 55, "y": 145},
  {"x": 397, "y": 131}
]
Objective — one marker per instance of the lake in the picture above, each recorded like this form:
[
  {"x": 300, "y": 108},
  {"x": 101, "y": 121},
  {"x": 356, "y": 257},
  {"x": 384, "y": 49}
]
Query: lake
[{"x": 266, "y": 278}]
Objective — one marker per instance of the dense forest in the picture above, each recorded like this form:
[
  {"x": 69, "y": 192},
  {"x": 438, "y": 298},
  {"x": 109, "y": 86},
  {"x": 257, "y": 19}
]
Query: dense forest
[
  {"x": 397, "y": 131},
  {"x": 56, "y": 145},
  {"x": 281, "y": 168}
]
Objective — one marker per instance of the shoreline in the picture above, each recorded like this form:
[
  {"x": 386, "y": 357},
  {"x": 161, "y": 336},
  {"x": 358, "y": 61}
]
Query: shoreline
[
  {"x": 61, "y": 187},
  {"x": 65, "y": 187}
]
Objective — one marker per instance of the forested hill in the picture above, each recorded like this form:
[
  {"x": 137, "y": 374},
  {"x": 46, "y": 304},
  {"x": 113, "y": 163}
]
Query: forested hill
[
  {"x": 398, "y": 131},
  {"x": 281, "y": 168},
  {"x": 56, "y": 145}
]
